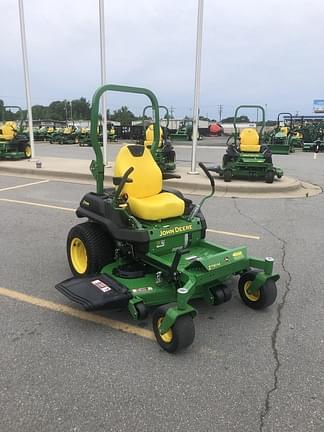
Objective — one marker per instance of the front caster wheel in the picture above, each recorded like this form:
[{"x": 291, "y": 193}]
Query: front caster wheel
[
  {"x": 179, "y": 336},
  {"x": 260, "y": 299}
]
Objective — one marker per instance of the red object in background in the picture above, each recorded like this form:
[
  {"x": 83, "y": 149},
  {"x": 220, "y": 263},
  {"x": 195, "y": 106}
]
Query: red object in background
[{"x": 215, "y": 129}]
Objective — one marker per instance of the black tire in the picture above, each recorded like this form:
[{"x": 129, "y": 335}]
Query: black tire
[
  {"x": 269, "y": 177},
  {"x": 182, "y": 332},
  {"x": 227, "y": 293},
  {"x": 99, "y": 248},
  {"x": 227, "y": 175},
  {"x": 221, "y": 294},
  {"x": 265, "y": 296},
  {"x": 142, "y": 311}
]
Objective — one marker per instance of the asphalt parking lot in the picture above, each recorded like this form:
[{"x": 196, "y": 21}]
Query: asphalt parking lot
[{"x": 246, "y": 371}]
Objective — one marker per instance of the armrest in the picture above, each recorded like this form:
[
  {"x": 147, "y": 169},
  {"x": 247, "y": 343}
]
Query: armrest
[
  {"x": 169, "y": 176},
  {"x": 117, "y": 180}
]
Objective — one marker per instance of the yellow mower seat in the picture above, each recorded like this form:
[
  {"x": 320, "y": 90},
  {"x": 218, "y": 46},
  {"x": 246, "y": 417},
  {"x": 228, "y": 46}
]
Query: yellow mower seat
[
  {"x": 149, "y": 136},
  {"x": 249, "y": 141},
  {"x": 284, "y": 130},
  {"x": 8, "y": 130},
  {"x": 145, "y": 199}
]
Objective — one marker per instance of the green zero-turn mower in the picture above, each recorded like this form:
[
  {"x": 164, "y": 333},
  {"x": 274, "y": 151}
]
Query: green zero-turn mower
[
  {"x": 144, "y": 246},
  {"x": 313, "y": 136},
  {"x": 284, "y": 138},
  {"x": 246, "y": 155},
  {"x": 14, "y": 144},
  {"x": 164, "y": 155},
  {"x": 184, "y": 132}
]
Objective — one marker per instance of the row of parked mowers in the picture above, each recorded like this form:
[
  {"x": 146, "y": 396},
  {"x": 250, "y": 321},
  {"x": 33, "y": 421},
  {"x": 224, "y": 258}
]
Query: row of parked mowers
[
  {"x": 287, "y": 136},
  {"x": 71, "y": 134}
]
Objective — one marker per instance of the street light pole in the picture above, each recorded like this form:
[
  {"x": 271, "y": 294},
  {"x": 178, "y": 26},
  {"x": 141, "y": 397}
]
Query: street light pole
[
  {"x": 26, "y": 75},
  {"x": 195, "y": 119},
  {"x": 103, "y": 78}
]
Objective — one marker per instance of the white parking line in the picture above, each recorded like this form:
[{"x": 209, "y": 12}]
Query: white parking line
[
  {"x": 249, "y": 236},
  {"x": 23, "y": 185},
  {"x": 242, "y": 235},
  {"x": 36, "y": 204}
]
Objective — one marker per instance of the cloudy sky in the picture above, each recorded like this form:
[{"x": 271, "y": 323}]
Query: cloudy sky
[{"x": 262, "y": 52}]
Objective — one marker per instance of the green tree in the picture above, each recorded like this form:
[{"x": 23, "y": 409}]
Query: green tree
[
  {"x": 241, "y": 119},
  {"x": 80, "y": 109},
  {"x": 58, "y": 110},
  {"x": 40, "y": 112},
  {"x": 123, "y": 115}
]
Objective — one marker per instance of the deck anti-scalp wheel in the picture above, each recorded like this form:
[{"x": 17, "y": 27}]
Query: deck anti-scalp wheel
[
  {"x": 89, "y": 248},
  {"x": 269, "y": 177},
  {"x": 179, "y": 336},
  {"x": 260, "y": 299},
  {"x": 227, "y": 175}
]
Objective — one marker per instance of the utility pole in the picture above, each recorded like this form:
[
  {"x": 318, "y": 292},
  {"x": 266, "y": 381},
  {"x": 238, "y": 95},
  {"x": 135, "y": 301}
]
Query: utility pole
[{"x": 220, "y": 112}]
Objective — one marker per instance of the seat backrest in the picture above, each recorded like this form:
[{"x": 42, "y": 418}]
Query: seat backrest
[
  {"x": 8, "y": 130},
  {"x": 284, "y": 130},
  {"x": 147, "y": 176},
  {"x": 249, "y": 141},
  {"x": 149, "y": 135}
]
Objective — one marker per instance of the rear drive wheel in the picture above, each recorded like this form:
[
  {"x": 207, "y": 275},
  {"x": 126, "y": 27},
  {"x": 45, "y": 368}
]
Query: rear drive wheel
[
  {"x": 260, "y": 299},
  {"x": 227, "y": 175},
  {"x": 27, "y": 151},
  {"x": 179, "y": 336},
  {"x": 269, "y": 177},
  {"x": 89, "y": 248}
]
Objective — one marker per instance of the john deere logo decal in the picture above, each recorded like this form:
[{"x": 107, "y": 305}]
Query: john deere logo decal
[{"x": 175, "y": 230}]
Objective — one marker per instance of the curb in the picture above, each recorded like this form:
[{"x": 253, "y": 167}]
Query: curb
[{"x": 293, "y": 188}]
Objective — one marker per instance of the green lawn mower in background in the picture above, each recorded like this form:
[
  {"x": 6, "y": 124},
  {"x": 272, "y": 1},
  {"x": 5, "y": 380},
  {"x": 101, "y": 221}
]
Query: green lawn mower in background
[
  {"x": 111, "y": 133},
  {"x": 284, "y": 138},
  {"x": 246, "y": 155},
  {"x": 14, "y": 144},
  {"x": 313, "y": 136},
  {"x": 143, "y": 246},
  {"x": 165, "y": 155},
  {"x": 184, "y": 132}
]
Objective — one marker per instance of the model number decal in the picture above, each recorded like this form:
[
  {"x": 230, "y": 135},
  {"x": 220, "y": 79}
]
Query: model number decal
[
  {"x": 213, "y": 266},
  {"x": 142, "y": 289},
  {"x": 175, "y": 230}
]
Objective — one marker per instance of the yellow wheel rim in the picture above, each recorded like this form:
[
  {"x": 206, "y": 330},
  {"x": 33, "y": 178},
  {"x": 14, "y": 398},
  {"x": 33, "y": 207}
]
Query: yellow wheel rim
[
  {"x": 78, "y": 254},
  {"x": 168, "y": 336},
  {"x": 253, "y": 297},
  {"x": 27, "y": 151}
]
